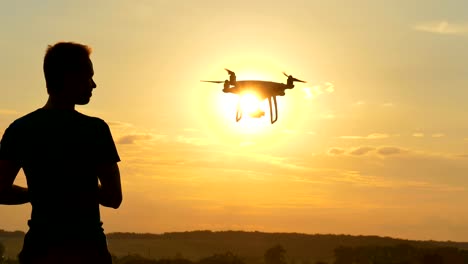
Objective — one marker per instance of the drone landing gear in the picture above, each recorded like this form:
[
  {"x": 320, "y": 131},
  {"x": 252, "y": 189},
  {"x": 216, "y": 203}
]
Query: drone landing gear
[
  {"x": 238, "y": 112},
  {"x": 273, "y": 119}
]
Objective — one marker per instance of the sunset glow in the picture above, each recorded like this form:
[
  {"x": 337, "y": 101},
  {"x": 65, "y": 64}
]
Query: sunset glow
[{"x": 375, "y": 143}]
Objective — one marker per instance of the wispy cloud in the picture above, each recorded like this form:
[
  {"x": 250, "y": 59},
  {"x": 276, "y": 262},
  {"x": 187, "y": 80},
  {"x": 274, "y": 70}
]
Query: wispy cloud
[
  {"x": 387, "y": 151},
  {"x": 127, "y": 134},
  {"x": 8, "y": 112},
  {"x": 434, "y": 135},
  {"x": 388, "y": 104},
  {"x": 370, "y": 136},
  {"x": 336, "y": 151},
  {"x": 133, "y": 138},
  {"x": 328, "y": 176},
  {"x": 364, "y": 150},
  {"x": 197, "y": 141},
  {"x": 361, "y": 151},
  {"x": 190, "y": 129},
  {"x": 319, "y": 89},
  {"x": 119, "y": 124},
  {"x": 443, "y": 27}
]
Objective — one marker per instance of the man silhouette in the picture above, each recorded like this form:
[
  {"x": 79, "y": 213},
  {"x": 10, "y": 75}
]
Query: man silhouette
[{"x": 70, "y": 163}]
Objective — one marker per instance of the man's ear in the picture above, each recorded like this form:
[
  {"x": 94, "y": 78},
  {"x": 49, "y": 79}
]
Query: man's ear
[
  {"x": 67, "y": 79},
  {"x": 57, "y": 85}
]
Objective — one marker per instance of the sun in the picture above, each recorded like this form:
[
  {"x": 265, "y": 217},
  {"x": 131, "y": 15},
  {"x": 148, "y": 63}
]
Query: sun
[
  {"x": 250, "y": 104},
  {"x": 251, "y": 108}
]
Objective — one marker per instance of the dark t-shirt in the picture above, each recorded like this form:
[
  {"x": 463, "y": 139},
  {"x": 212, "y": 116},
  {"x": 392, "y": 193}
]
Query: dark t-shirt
[{"x": 59, "y": 151}]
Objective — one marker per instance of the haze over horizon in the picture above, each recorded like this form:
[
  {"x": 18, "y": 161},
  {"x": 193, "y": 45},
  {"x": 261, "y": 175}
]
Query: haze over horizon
[{"x": 375, "y": 143}]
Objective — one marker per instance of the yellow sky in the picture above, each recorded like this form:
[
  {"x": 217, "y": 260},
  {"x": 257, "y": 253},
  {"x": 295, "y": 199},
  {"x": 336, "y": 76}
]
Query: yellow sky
[{"x": 374, "y": 143}]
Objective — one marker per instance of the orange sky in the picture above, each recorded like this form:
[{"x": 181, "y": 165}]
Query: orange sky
[{"x": 374, "y": 143}]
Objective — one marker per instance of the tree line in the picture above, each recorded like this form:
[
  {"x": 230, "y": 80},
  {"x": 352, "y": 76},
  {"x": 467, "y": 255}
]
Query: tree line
[{"x": 399, "y": 254}]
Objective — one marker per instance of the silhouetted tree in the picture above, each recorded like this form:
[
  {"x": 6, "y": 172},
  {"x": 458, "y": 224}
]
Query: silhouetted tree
[
  {"x": 2, "y": 251},
  {"x": 432, "y": 258},
  {"x": 10, "y": 261},
  {"x": 344, "y": 255},
  {"x": 275, "y": 255},
  {"x": 134, "y": 259},
  {"x": 174, "y": 261},
  {"x": 226, "y": 258}
]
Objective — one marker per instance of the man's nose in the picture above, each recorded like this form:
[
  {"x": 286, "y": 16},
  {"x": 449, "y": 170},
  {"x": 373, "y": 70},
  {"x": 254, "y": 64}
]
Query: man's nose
[{"x": 93, "y": 84}]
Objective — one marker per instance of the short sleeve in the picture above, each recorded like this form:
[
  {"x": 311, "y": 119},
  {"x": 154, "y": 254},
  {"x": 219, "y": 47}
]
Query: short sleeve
[
  {"x": 8, "y": 145},
  {"x": 106, "y": 146}
]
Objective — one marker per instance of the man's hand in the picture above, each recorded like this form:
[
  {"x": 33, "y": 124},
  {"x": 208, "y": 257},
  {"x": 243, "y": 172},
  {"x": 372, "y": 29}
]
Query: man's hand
[{"x": 11, "y": 194}]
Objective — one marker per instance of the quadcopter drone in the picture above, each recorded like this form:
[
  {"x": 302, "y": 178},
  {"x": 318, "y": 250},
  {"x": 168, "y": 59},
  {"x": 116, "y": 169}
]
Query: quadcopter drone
[{"x": 264, "y": 90}]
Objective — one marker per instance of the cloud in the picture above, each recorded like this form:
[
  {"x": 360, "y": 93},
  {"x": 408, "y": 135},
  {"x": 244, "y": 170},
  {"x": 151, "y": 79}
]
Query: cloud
[
  {"x": 377, "y": 136},
  {"x": 387, "y": 151},
  {"x": 197, "y": 141},
  {"x": 434, "y": 135},
  {"x": 329, "y": 87},
  {"x": 327, "y": 176},
  {"x": 388, "y": 104},
  {"x": 443, "y": 27},
  {"x": 361, "y": 151},
  {"x": 133, "y": 138},
  {"x": 119, "y": 124},
  {"x": 370, "y": 136},
  {"x": 189, "y": 129},
  {"x": 128, "y": 134},
  {"x": 336, "y": 151},
  {"x": 364, "y": 150},
  {"x": 319, "y": 89},
  {"x": 8, "y": 112}
]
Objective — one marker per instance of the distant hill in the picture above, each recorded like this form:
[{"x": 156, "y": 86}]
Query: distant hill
[{"x": 251, "y": 246}]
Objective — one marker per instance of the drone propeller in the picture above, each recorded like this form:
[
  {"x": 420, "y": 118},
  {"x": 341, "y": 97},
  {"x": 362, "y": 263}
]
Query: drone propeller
[
  {"x": 292, "y": 78},
  {"x": 212, "y": 81},
  {"x": 229, "y": 71},
  {"x": 297, "y": 80}
]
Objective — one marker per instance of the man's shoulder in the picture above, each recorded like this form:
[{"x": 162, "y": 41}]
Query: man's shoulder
[
  {"x": 90, "y": 119},
  {"x": 44, "y": 116},
  {"x": 25, "y": 119}
]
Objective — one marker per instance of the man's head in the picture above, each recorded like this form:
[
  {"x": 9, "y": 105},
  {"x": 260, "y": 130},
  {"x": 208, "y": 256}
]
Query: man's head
[{"x": 69, "y": 72}]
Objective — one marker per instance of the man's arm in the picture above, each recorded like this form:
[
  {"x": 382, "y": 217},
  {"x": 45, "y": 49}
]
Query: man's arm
[
  {"x": 110, "y": 189},
  {"x": 11, "y": 194}
]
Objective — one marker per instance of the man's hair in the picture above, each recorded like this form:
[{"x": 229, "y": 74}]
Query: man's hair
[{"x": 61, "y": 58}]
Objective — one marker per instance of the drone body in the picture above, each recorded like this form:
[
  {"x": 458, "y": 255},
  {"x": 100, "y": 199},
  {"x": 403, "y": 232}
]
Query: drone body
[{"x": 263, "y": 89}]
